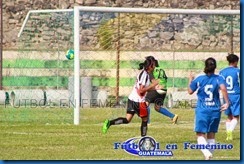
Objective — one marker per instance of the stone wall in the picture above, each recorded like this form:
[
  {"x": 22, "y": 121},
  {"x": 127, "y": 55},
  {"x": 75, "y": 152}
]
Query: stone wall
[{"x": 14, "y": 13}]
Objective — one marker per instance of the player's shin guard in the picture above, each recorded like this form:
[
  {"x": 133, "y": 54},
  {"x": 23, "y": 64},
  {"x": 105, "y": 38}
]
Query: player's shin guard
[
  {"x": 120, "y": 120},
  {"x": 143, "y": 128}
]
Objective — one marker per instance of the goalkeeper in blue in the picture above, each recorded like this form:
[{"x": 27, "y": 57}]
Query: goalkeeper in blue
[
  {"x": 158, "y": 97},
  {"x": 232, "y": 79},
  {"x": 209, "y": 108}
]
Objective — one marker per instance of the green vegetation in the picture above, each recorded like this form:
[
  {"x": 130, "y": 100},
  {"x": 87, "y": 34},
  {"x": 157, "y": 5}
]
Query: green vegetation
[{"x": 48, "y": 133}]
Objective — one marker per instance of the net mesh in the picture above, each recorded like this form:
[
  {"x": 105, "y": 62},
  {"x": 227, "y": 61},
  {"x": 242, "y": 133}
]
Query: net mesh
[{"x": 111, "y": 47}]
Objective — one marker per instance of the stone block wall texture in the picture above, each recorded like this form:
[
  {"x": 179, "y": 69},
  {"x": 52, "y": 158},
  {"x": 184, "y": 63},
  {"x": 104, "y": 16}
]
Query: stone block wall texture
[{"x": 14, "y": 13}]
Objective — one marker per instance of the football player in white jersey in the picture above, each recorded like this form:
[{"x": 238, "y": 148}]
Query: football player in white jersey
[{"x": 136, "y": 100}]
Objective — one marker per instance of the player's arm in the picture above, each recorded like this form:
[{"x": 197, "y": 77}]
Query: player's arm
[
  {"x": 191, "y": 77},
  {"x": 225, "y": 96},
  {"x": 152, "y": 79},
  {"x": 152, "y": 86}
]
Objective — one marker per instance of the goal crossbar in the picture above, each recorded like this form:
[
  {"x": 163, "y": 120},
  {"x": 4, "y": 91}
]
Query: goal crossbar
[{"x": 158, "y": 10}]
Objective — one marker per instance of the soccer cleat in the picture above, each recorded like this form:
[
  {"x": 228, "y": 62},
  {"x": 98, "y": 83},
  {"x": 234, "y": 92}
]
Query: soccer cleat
[
  {"x": 229, "y": 136},
  {"x": 175, "y": 119},
  {"x": 105, "y": 126}
]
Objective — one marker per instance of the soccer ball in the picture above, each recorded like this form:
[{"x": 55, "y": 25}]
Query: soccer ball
[{"x": 70, "y": 54}]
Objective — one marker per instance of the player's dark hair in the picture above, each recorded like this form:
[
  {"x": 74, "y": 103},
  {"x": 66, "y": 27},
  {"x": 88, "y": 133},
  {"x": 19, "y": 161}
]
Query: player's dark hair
[
  {"x": 150, "y": 60},
  {"x": 210, "y": 65},
  {"x": 232, "y": 58}
]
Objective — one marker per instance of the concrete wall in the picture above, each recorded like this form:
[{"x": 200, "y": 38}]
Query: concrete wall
[{"x": 14, "y": 13}]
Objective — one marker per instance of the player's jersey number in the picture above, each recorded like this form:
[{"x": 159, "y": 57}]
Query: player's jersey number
[{"x": 209, "y": 99}]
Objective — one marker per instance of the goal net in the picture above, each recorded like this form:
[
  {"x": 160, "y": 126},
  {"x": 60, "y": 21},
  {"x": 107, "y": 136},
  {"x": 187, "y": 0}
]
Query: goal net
[{"x": 109, "y": 44}]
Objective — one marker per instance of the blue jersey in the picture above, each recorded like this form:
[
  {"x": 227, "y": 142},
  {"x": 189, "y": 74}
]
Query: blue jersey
[
  {"x": 232, "y": 79},
  {"x": 207, "y": 88}
]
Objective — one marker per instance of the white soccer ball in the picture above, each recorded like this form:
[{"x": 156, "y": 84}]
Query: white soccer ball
[{"x": 160, "y": 91}]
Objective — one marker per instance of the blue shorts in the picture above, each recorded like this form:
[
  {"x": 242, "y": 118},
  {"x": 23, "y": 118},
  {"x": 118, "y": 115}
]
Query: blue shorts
[
  {"x": 207, "y": 120},
  {"x": 234, "y": 108}
]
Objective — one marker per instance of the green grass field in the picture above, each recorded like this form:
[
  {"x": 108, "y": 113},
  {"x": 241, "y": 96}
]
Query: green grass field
[{"x": 49, "y": 134}]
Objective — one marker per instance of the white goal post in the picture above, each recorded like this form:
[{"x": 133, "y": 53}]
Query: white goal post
[{"x": 76, "y": 11}]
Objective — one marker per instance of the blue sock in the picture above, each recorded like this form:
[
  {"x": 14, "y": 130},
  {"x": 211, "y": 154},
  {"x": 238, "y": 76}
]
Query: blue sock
[
  {"x": 148, "y": 118},
  {"x": 165, "y": 112}
]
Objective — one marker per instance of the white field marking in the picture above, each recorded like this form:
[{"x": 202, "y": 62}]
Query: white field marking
[{"x": 25, "y": 133}]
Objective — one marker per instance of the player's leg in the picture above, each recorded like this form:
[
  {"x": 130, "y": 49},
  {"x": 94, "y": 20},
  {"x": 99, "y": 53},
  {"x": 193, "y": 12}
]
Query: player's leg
[
  {"x": 201, "y": 128},
  {"x": 211, "y": 140},
  {"x": 234, "y": 122},
  {"x": 149, "y": 112},
  {"x": 228, "y": 124},
  {"x": 213, "y": 128},
  {"x": 164, "y": 111},
  {"x": 150, "y": 98},
  {"x": 214, "y": 122},
  {"x": 143, "y": 113},
  {"x": 143, "y": 126},
  {"x": 201, "y": 140},
  {"x": 235, "y": 110},
  {"x": 120, "y": 120}
]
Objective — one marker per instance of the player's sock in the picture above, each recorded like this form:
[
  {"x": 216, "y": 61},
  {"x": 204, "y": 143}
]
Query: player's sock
[
  {"x": 211, "y": 142},
  {"x": 202, "y": 141},
  {"x": 119, "y": 120},
  {"x": 228, "y": 131},
  {"x": 148, "y": 111},
  {"x": 143, "y": 128},
  {"x": 227, "y": 125},
  {"x": 233, "y": 124},
  {"x": 165, "y": 112}
]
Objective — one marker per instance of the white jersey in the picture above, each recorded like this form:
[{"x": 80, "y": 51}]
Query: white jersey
[{"x": 142, "y": 79}]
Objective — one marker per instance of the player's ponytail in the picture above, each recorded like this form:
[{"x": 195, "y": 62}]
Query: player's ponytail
[
  {"x": 141, "y": 66},
  {"x": 210, "y": 65},
  {"x": 149, "y": 62}
]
